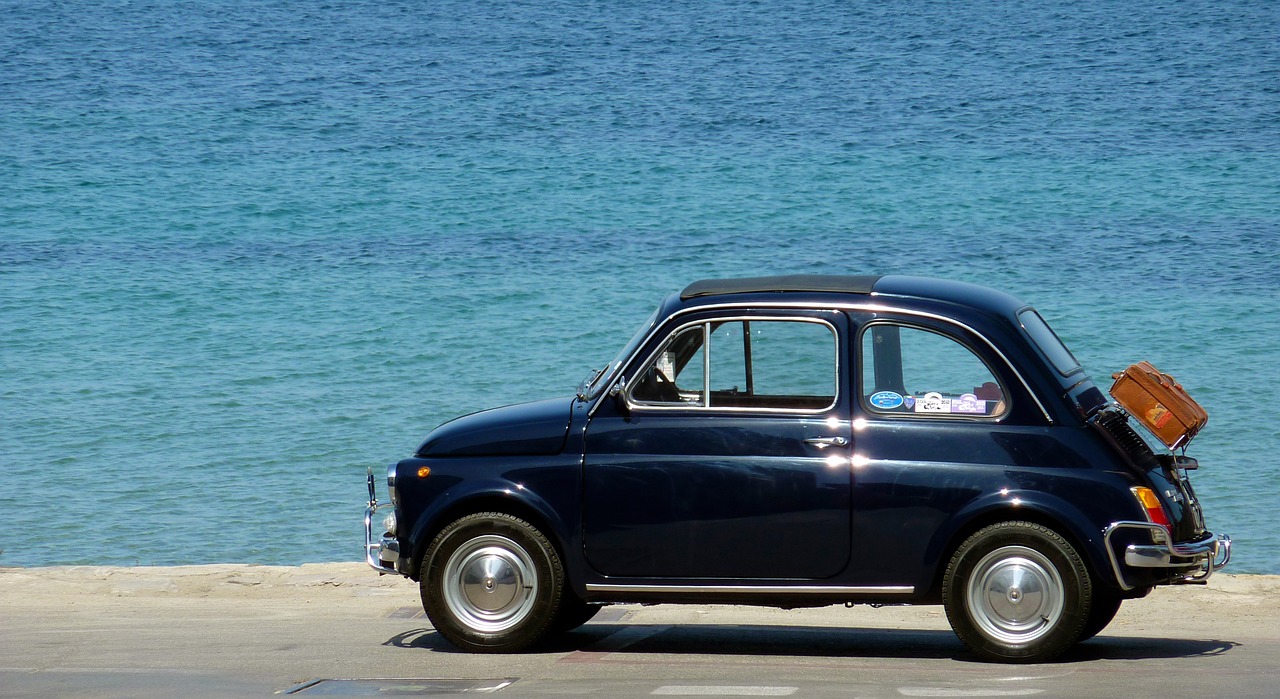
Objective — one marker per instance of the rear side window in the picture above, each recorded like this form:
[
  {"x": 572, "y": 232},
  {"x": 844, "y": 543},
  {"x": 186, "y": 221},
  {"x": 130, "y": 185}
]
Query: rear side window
[
  {"x": 911, "y": 370},
  {"x": 1049, "y": 343}
]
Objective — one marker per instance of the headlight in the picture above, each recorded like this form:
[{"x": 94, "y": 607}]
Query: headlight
[{"x": 389, "y": 524}]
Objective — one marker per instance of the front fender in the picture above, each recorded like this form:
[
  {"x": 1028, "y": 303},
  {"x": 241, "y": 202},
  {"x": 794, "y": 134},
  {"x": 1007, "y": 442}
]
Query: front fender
[{"x": 468, "y": 497}]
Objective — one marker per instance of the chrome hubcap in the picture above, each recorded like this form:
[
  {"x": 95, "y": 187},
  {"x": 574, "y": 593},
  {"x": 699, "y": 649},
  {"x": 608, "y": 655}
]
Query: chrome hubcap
[
  {"x": 490, "y": 583},
  {"x": 1015, "y": 595}
]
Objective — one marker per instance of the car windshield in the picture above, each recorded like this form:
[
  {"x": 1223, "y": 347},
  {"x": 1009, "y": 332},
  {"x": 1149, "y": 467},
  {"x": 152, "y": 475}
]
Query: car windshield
[{"x": 597, "y": 380}]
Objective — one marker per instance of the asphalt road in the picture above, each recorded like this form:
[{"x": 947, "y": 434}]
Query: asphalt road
[{"x": 341, "y": 639}]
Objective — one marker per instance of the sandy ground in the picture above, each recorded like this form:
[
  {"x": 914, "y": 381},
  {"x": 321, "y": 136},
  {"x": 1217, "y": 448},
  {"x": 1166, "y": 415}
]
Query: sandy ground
[{"x": 248, "y": 630}]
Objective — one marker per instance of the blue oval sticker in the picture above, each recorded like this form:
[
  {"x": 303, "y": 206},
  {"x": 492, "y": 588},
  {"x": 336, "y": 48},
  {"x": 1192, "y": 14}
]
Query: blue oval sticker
[{"x": 885, "y": 400}]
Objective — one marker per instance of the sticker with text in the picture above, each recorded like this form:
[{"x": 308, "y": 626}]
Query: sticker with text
[
  {"x": 886, "y": 400},
  {"x": 933, "y": 403}
]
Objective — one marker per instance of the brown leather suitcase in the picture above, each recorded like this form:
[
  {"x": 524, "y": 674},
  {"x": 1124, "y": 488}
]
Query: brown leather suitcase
[{"x": 1158, "y": 401}]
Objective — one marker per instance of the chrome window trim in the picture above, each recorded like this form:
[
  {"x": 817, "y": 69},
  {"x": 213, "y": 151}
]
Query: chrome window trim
[
  {"x": 706, "y": 365},
  {"x": 872, "y": 307},
  {"x": 706, "y": 406},
  {"x": 756, "y": 589},
  {"x": 862, "y": 398}
]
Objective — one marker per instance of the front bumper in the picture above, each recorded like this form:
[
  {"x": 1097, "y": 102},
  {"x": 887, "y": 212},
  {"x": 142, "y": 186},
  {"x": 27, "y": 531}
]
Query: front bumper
[
  {"x": 384, "y": 554},
  {"x": 1204, "y": 557}
]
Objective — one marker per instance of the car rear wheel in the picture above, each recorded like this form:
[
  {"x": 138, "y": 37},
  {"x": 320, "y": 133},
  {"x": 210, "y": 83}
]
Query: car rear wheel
[
  {"x": 491, "y": 582},
  {"x": 1017, "y": 592},
  {"x": 1104, "y": 609}
]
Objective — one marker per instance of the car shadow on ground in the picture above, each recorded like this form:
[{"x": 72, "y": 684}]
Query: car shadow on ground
[{"x": 805, "y": 641}]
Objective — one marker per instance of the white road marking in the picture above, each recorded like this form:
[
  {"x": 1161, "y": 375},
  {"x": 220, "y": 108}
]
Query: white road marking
[
  {"x": 1033, "y": 678},
  {"x": 724, "y": 691},
  {"x": 975, "y": 692}
]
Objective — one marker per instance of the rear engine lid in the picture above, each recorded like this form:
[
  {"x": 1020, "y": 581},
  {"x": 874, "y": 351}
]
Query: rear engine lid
[{"x": 1162, "y": 471}]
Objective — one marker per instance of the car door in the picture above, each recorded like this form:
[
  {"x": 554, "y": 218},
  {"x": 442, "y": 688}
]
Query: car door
[
  {"x": 943, "y": 424},
  {"x": 724, "y": 454}
]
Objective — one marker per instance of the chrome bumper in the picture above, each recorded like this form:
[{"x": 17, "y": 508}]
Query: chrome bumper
[
  {"x": 383, "y": 554},
  {"x": 1203, "y": 554}
]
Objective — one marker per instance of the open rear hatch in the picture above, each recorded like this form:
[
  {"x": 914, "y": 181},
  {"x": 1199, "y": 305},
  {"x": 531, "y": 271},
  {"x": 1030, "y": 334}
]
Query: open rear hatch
[{"x": 1150, "y": 403}]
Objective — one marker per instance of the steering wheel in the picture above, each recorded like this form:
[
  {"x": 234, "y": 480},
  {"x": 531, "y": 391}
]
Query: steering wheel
[{"x": 665, "y": 390}]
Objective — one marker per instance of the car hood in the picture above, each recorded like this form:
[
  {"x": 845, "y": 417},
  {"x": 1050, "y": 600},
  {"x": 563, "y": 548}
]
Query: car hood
[{"x": 527, "y": 428}]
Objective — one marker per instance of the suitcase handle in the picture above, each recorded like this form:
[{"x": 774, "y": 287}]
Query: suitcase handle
[
  {"x": 1165, "y": 379},
  {"x": 1158, "y": 376}
]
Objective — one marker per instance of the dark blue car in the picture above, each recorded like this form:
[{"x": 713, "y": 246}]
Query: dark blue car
[{"x": 805, "y": 441}]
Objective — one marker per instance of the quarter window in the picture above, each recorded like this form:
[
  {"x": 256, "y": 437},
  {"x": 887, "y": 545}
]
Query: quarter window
[
  {"x": 910, "y": 370},
  {"x": 744, "y": 364},
  {"x": 1047, "y": 340}
]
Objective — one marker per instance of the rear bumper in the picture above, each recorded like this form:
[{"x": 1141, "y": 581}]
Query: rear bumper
[{"x": 1197, "y": 559}]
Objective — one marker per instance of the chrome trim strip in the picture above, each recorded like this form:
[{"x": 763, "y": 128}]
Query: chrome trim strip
[
  {"x": 1205, "y": 553},
  {"x": 706, "y": 366},
  {"x": 872, "y": 307},
  {"x": 755, "y": 589}
]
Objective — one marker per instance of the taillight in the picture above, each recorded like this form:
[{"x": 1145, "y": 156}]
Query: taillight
[{"x": 1151, "y": 503}]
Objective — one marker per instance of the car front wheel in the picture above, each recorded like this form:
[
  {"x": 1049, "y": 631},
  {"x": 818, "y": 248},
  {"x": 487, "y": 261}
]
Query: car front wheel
[
  {"x": 1017, "y": 592},
  {"x": 491, "y": 582}
]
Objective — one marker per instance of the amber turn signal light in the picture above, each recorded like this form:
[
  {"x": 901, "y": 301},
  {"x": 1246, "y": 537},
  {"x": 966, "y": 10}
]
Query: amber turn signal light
[{"x": 1151, "y": 503}]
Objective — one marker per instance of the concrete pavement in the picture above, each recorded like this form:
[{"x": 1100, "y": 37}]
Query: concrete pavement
[{"x": 340, "y": 630}]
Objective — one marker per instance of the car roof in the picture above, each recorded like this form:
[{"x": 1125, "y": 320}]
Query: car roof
[
  {"x": 903, "y": 286},
  {"x": 789, "y": 282}
]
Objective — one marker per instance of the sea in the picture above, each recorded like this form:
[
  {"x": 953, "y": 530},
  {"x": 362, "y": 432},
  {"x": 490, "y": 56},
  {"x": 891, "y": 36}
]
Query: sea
[{"x": 251, "y": 248}]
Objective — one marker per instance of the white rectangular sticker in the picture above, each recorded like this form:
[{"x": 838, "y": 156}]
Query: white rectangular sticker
[{"x": 933, "y": 403}]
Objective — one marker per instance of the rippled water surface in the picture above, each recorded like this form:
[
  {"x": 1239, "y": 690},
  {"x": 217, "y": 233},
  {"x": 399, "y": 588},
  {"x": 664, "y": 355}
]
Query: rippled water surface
[{"x": 248, "y": 249}]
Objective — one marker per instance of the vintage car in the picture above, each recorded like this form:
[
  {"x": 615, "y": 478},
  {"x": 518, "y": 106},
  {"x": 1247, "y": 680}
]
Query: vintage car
[{"x": 803, "y": 441}]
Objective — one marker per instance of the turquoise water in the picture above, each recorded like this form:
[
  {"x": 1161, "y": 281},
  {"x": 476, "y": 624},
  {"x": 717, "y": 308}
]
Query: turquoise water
[{"x": 248, "y": 249}]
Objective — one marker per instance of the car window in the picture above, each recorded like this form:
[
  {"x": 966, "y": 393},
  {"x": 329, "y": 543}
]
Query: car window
[
  {"x": 911, "y": 370},
  {"x": 675, "y": 376},
  {"x": 1049, "y": 343},
  {"x": 754, "y": 364}
]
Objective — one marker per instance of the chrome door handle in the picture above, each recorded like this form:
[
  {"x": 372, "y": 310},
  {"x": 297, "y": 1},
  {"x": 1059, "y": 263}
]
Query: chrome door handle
[{"x": 824, "y": 442}]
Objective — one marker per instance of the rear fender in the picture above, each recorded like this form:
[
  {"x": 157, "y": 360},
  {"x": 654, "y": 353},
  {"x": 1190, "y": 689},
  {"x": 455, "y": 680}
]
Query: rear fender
[{"x": 1031, "y": 506}]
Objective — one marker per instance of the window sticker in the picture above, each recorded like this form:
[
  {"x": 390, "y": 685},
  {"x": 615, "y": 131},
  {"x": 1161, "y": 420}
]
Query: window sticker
[
  {"x": 886, "y": 400},
  {"x": 933, "y": 402},
  {"x": 969, "y": 403},
  {"x": 909, "y": 401}
]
